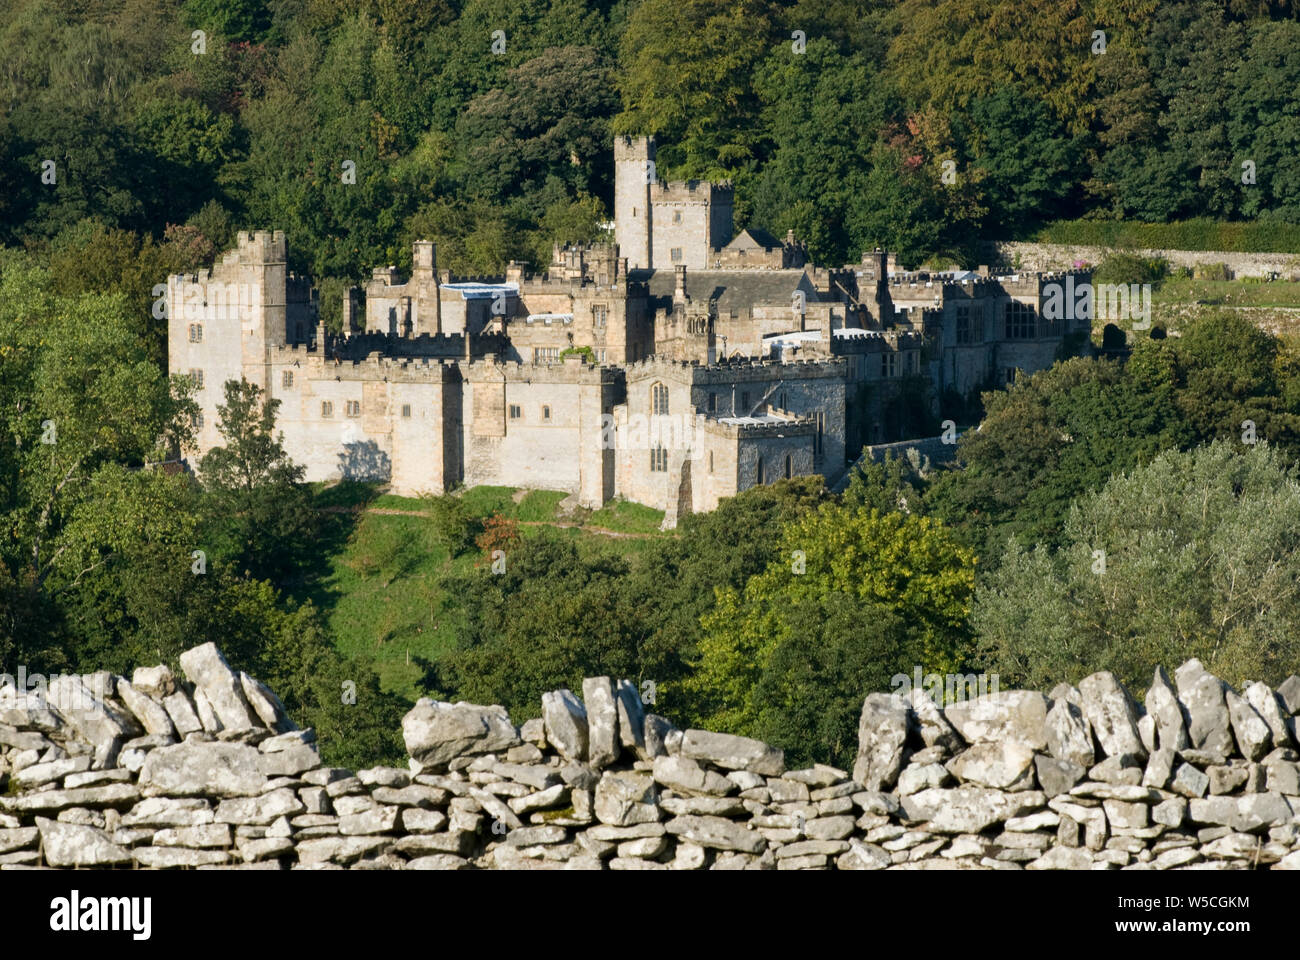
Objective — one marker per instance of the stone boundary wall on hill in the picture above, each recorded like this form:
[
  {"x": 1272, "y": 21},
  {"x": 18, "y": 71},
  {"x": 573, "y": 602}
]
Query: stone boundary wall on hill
[
  {"x": 932, "y": 448},
  {"x": 1046, "y": 257},
  {"x": 208, "y": 772}
]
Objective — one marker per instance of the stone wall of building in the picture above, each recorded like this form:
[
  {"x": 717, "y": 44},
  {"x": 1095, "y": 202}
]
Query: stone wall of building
[
  {"x": 397, "y": 432},
  {"x": 539, "y": 426},
  {"x": 633, "y": 175},
  {"x": 205, "y": 770},
  {"x": 408, "y": 308},
  {"x": 689, "y": 220}
]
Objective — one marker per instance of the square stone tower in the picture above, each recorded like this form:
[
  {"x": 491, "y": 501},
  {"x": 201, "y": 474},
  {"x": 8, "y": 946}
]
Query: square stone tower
[
  {"x": 658, "y": 225},
  {"x": 634, "y": 175}
]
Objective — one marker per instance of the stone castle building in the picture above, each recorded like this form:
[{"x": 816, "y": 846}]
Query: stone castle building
[{"x": 672, "y": 368}]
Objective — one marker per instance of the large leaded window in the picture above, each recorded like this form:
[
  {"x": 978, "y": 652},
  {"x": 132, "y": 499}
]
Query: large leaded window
[
  {"x": 659, "y": 399},
  {"x": 1020, "y": 320}
]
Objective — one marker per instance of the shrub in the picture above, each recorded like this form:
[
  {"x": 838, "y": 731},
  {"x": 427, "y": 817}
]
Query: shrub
[
  {"x": 499, "y": 533},
  {"x": 1213, "y": 271},
  {"x": 1259, "y": 236},
  {"x": 453, "y": 523},
  {"x": 1130, "y": 268}
]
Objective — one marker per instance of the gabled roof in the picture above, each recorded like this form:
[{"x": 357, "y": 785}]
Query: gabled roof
[
  {"x": 753, "y": 237},
  {"x": 733, "y": 289}
]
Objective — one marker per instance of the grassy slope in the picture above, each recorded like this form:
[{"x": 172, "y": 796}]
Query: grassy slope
[
  {"x": 380, "y": 577},
  {"x": 1275, "y": 306}
]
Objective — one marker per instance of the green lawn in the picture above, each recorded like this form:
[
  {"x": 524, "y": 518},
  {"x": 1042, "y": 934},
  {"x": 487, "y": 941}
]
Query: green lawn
[
  {"x": 1176, "y": 301},
  {"x": 379, "y": 579},
  {"x": 539, "y": 505},
  {"x": 625, "y": 517},
  {"x": 1229, "y": 293}
]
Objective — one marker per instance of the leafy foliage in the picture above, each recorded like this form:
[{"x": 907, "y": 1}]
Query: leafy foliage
[
  {"x": 1200, "y": 559},
  {"x": 260, "y": 511},
  {"x": 866, "y": 596}
]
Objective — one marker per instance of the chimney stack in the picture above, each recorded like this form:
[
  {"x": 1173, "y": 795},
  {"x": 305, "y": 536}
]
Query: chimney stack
[{"x": 424, "y": 258}]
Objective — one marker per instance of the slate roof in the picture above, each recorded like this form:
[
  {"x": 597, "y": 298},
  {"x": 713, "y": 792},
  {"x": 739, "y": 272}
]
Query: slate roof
[
  {"x": 738, "y": 290},
  {"x": 751, "y": 238}
]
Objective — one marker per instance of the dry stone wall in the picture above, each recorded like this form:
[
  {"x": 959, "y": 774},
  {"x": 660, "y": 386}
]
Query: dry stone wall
[
  {"x": 207, "y": 771},
  {"x": 1048, "y": 257}
]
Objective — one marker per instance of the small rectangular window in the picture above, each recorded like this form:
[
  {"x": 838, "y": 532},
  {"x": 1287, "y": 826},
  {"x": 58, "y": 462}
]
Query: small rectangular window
[
  {"x": 406, "y": 410},
  {"x": 326, "y": 408},
  {"x": 197, "y": 420},
  {"x": 677, "y": 216},
  {"x": 598, "y": 314},
  {"x": 353, "y": 408},
  {"x": 196, "y": 333},
  {"x": 546, "y": 413},
  {"x": 286, "y": 379},
  {"x": 196, "y": 377},
  {"x": 676, "y": 254},
  {"x": 515, "y": 412},
  {"x": 710, "y": 461}
]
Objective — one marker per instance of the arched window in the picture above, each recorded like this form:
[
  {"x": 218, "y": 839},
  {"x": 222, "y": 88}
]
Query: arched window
[
  {"x": 659, "y": 399},
  {"x": 788, "y": 467},
  {"x": 761, "y": 477}
]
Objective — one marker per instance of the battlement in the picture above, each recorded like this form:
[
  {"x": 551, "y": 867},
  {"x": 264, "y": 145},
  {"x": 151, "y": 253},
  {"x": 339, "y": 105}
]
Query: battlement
[
  {"x": 692, "y": 191},
  {"x": 261, "y": 246},
  {"x": 628, "y": 147},
  {"x": 858, "y": 341},
  {"x": 1031, "y": 284},
  {"x": 949, "y": 287},
  {"x": 573, "y": 371},
  {"x": 430, "y": 345},
  {"x": 735, "y": 371},
  {"x": 759, "y": 426},
  {"x": 371, "y": 369}
]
